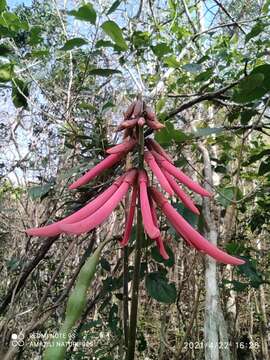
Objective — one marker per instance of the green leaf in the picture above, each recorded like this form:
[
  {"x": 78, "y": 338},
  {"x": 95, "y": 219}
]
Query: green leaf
[
  {"x": 105, "y": 264},
  {"x": 255, "y": 31},
  {"x": 115, "y": 33},
  {"x": 246, "y": 115},
  {"x": 37, "y": 192},
  {"x": 192, "y": 67},
  {"x": 159, "y": 289},
  {"x": 200, "y": 132},
  {"x": 35, "y": 37},
  {"x": 104, "y": 43},
  {"x": 235, "y": 285},
  {"x": 264, "y": 167},
  {"x": 171, "y": 61},
  {"x": 3, "y": 5},
  {"x": 11, "y": 21},
  {"x": 5, "y": 50},
  {"x": 6, "y": 72},
  {"x": 161, "y": 49},
  {"x": 74, "y": 43},
  {"x": 258, "y": 155},
  {"x": 266, "y": 6},
  {"x": 141, "y": 342},
  {"x": 188, "y": 215},
  {"x": 228, "y": 195},
  {"x": 20, "y": 93},
  {"x": 169, "y": 133},
  {"x": 104, "y": 72},
  {"x": 249, "y": 270},
  {"x": 140, "y": 39},
  {"x": 205, "y": 75},
  {"x": 157, "y": 257},
  {"x": 85, "y": 13},
  {"x": 254, "y": 86},
  {"x": 108, "y": 105},
  {"x": 251, "y": 82},
  {"x": 114, "y": 7},
  {"x": 39, "y": 53},
  {"x": 86, "y": 106}
]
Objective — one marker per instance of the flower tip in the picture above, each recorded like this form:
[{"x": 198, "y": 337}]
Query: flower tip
[
  {"x": 165, "y": 256},
  {"x": 239, "y": 261},
  {"x": 72, "y": 187},
  {"x": 30, "y": 232}
]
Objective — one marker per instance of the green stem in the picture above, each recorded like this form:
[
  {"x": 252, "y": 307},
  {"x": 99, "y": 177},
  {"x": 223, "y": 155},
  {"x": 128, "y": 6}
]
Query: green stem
[
  {"x": 137, "y": 265},
  {"x": 125, "y": 296}
]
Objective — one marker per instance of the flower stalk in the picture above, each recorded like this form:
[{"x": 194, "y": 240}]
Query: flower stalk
[{"x": 137, "y": 262}]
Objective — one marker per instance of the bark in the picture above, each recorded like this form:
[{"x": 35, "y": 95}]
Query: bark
[{"x": 214, "y": 323}]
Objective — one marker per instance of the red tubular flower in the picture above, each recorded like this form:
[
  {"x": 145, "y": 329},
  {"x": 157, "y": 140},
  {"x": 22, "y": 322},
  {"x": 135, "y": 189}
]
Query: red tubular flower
[
  {"x": 138, "y": 108},
  {"x": 97, "y": 170},
  {"x": 104, "y": 211},
  {"x": 158, "y": 240},
  {"x": 149, "y": 158},
  {"x": 190, "y": 234},
  {"x": 186, "y": 200},
  {"x": 125, "y": 146},
  {"x": 178, "y": 174},
  {"x": 155, "y": 125},
  {"x": 126, "y": 124},
  {"x": 151, "y": 230},
  {"x": 54, "y": 229},
  {"x": 130, "y": 217},
  {"x": 153, "y": 145},
  {"x": 129, "y": 111},
  {"x": 151, "y": 119}
]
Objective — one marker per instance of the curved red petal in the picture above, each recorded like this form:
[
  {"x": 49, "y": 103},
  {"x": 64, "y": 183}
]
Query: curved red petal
[
  {"x": 154, "y": 145},
  {"x": 125, "y": 146},
  {"x": 186, "y": 200},
  {"x": 151, "y": 230},
  {"x": 97, "y": 170},
  {"x": 188, "y": 233},
  {"x": 178, "y": 174},
  {"x": 87, "y": 210},
  {"x": 148, "y": 157},
  {"x": 104, "y": 211},
  {"x": 158, "y": 240},
  {"x": 130, "y": 217}
]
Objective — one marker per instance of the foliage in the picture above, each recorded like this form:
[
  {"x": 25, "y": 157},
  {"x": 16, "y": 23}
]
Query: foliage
[{"x": 66, "y": 74}]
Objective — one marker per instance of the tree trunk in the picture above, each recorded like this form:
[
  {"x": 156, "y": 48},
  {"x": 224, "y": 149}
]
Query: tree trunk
[{"x": 214, "y": 323}]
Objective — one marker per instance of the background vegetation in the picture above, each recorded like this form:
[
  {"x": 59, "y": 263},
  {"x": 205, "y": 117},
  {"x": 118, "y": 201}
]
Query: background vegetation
[{"x": 68, "y": 69}]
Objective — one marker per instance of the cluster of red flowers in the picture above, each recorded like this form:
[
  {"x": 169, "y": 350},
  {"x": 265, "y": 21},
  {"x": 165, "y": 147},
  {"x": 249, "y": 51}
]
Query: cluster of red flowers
[{"x": 161, "y": 164}]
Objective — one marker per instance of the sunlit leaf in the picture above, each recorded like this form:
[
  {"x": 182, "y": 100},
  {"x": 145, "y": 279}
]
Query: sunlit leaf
[
  {"x": 37, "y": 192},
  {"x": 115, "y": 33},
  {"x": 255, "y": 31},
  {"x": 85, "y": 13},
  {"x": 74, "y": 43},
  {"x": 114, "y": 7}
]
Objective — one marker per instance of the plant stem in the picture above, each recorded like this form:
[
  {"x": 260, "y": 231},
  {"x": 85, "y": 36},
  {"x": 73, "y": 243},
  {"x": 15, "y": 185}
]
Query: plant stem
[{"x": 137, "y": 265}]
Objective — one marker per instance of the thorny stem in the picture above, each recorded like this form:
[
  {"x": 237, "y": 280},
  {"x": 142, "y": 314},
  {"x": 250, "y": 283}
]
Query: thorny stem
[{"x": 137, "y": 264}]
